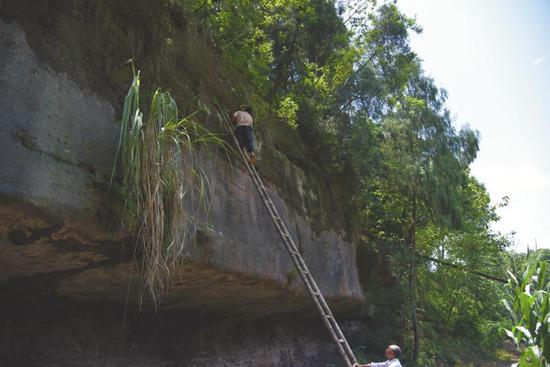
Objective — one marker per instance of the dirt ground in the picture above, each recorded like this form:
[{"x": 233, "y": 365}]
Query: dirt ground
[{"x": 506, "y": 356}]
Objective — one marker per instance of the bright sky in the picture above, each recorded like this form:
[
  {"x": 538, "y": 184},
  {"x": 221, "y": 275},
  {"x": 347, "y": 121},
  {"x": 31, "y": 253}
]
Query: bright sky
[{"x": 493, "y": 57}]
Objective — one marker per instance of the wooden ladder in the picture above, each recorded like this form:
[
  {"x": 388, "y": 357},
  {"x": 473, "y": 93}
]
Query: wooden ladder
[{"x": 318, "y": 299}]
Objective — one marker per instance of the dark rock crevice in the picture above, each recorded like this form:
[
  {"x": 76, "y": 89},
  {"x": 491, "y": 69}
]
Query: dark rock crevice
[{"x": 28, "y": 142}]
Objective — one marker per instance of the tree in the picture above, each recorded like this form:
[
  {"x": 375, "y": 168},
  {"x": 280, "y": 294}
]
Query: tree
[
  {"x": 427, "y": 163},
  {"x": 458, "y": 289}
]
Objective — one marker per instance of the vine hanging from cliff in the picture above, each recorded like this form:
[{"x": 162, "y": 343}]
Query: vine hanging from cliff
[{"x": 163, "y": 182}]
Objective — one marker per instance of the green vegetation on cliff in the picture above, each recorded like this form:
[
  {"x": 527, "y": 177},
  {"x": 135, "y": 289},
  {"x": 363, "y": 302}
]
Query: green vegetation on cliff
[{"x": 163, "y": 181}]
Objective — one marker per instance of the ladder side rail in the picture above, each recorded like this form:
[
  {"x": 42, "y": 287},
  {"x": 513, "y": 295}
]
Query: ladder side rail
[
  {"x": 313, "y": 289},
  {"x": 333, "y": 332},
  {"x": 319, "y": 295},
  {"x": 308, "y": 279},
  {"x": 336, "y": 333},
  {"x": 316, "y": 289},
  {"x": 325, "y": 305}
]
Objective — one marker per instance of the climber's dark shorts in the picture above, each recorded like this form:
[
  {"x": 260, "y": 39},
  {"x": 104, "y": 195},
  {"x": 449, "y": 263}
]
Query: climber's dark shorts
[{"x": 245, "y": 137}]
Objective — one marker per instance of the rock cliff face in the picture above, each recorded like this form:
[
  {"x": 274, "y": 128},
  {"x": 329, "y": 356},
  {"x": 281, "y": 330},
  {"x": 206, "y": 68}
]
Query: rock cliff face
[{"x": 59, "y": 247}]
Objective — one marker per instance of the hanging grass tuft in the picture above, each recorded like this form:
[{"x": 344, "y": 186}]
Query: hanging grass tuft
[{"x": 163, "y": 182}]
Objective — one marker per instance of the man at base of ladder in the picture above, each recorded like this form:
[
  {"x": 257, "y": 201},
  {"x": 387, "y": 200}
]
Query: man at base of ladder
[
  {"x": 243, "y": 130},
  {"x": 392, "y": 354}
]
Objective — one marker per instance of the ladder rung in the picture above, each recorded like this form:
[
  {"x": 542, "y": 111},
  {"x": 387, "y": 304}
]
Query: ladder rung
[
  {"x": 328, "y": 316},
  {"x": 342, "y": 341},
  {"x": 305, "y": 272}
]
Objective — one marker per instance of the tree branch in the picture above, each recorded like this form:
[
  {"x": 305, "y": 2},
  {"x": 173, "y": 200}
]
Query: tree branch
[{"x": 457, "y": 266}]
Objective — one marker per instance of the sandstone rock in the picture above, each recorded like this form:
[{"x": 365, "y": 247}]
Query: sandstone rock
[{"x": 57, "y": 145}]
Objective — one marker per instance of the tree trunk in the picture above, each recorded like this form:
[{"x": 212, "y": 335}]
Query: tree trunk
[{"x": 412, "y": 282}]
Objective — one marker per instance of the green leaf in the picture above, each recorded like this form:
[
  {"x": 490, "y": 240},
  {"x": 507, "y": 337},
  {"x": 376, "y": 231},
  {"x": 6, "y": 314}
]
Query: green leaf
[
  {"x": 526, "y": 333},
  {"x": 510, "y": 310}
]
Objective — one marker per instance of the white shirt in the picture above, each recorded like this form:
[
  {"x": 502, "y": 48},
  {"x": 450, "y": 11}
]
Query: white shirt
[
  {"x": 242, "y": 118},
  {"x": 389, "y": 363}
]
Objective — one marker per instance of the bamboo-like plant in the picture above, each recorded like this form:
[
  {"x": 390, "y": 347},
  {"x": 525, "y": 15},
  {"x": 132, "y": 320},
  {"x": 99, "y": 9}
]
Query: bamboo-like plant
[{"x": 163, "y": 182}]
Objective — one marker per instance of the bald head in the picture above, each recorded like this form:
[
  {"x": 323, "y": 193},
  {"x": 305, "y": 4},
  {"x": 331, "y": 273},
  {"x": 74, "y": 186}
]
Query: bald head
[{"x": 393, "y": 351}]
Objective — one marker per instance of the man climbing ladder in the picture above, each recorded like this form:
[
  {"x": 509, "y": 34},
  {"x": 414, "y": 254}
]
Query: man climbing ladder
[
  {"x": 243, "y": 131},
  {"x": 326, "y": 314}
]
